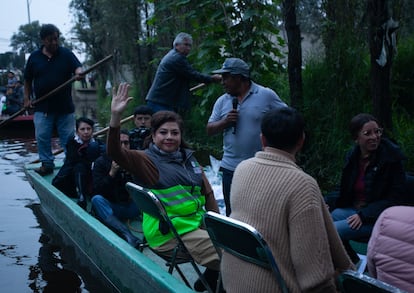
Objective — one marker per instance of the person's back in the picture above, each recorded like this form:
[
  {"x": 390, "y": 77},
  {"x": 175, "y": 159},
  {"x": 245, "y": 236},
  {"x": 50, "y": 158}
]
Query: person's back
[
  {"x": 271, "y": 193},
  {"x": 390, "y": 252},
  {"x": 274, "y": 197}
]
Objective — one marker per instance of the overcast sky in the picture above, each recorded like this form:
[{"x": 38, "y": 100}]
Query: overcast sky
[{"x": 15, "y": 13}]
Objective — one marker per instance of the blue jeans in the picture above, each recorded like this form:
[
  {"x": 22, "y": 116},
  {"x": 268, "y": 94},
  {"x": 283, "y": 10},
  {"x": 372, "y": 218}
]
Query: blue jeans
[
  {"x": 123, "y": 210},
  {"x": 227, "y": 179},
  {"x": 339, "y": 217},
  {"x": 44, "y": 124}
]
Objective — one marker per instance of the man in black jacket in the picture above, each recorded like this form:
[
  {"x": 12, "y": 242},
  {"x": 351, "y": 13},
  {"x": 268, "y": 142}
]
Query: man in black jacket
[
  {"x": 111, "y": 203},
  {"x": 170, "y": 89}
]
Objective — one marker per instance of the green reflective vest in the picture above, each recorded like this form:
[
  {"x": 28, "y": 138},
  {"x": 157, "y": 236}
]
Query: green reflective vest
[{"x": 185, "y": 209}]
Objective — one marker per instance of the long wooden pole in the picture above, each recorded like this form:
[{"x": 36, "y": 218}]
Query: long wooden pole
[
  {"x": 95, "y": 134},
  {"x": 129, "y": 118},
  {"x": 41, "y": 99},
  {"x": 199, "y": 86}
]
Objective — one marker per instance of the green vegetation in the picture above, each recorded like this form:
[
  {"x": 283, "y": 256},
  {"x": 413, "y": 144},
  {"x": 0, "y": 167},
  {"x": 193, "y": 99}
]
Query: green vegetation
[
  {"x": 329, "y": 106},
  {"x": 336, "y": 85}
]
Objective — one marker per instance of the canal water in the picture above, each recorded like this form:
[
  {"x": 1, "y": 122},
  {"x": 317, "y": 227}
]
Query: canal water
[{"x": 34, "y": 256}]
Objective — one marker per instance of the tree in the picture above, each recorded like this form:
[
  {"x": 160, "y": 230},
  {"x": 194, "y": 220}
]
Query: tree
[
  {"x": 108, "y": 27},
  {"x": 382, "y": 45},
  {"x": 12, "y": 60},
  {"x": 295, "y": 53},
  {"x": 140, "y": 32},
  {"x": 27, "y": 39}
]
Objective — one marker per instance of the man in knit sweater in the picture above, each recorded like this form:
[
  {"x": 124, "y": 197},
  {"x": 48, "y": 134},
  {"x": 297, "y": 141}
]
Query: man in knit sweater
[{"x": 271, "y": 193}]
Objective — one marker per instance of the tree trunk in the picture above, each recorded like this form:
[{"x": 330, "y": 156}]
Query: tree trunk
[
  {"x": 295, "y": 53},
  {"x": 382, "y": 45}
]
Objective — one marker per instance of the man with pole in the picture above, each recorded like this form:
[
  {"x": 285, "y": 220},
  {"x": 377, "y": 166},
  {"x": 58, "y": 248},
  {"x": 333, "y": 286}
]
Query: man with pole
[
  {"x": 170, "y": 89},
  {"x": 47, "y": 68}
]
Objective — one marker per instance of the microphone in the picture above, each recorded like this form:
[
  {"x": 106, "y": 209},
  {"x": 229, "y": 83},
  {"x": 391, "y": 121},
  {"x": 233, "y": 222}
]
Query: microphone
[{"x": 235, "y": 102}]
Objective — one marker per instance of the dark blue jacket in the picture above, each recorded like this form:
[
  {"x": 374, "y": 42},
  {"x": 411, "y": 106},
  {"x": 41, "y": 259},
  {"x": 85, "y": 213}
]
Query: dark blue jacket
[
  {"x": 171, "y": 85},
  {"x": 78, "y": 161},
  {"x": 384, "y": 180},
  {"x": 112, "y": 188}
]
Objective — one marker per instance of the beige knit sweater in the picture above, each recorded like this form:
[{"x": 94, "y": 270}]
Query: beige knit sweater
[{"x": 271, "y": 193}]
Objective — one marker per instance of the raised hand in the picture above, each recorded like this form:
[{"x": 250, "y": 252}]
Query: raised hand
[
  {"x": 119, "y": 103},
  {"x": 120, "y": 99}
]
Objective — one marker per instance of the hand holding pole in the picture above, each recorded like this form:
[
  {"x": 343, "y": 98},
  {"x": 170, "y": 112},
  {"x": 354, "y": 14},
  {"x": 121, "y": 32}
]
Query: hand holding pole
[{"x": 4, "y": 122}]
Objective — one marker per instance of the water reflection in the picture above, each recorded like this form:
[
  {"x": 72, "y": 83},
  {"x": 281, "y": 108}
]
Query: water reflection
[
  {"x": 59, "y": 279},
  {"x": 63, "y": 267},
  {"x": 34, "y": 257},
  {"x": 51, "y": 269},
  {"x": 34, "y": 254}
]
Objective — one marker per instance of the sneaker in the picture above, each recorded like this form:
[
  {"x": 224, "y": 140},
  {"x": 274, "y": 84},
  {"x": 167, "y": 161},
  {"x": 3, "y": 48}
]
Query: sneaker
[{"x": 43, "y": 170}]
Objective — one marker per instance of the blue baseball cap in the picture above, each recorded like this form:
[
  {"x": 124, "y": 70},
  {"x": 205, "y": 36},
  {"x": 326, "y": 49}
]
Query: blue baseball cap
[{"x": 234, "y": 66}]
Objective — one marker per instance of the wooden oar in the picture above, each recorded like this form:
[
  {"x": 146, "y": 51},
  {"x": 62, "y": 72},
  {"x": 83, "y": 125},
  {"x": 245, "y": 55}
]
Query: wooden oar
[
  {"x": 199, "y": 86},
  {"x": 97, "y": 133},
  {"x": 129, "y": 118},
  {"x": 41, "y": 99},
  {"x": 103, "y": 130}
]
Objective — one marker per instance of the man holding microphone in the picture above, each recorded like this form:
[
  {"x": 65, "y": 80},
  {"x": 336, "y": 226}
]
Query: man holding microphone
[{"x": 238, "y": 114}]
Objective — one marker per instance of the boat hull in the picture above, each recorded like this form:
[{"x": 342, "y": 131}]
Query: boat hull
[
  {"x": 124, "y": 266},
  {"x": 21, "y": 119}
]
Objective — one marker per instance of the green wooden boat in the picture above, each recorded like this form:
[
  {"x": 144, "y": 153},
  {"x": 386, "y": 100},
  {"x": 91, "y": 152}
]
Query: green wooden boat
[{"x": 128, "y": 269}]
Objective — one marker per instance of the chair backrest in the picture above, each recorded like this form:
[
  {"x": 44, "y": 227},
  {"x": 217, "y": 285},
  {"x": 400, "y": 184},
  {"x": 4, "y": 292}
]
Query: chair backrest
[
  {"x": 249, "y": 246},
  {"x": 146, "y": 200},
  {"x": 150, "y": 204},
  {"x": 353, "y": 282}
]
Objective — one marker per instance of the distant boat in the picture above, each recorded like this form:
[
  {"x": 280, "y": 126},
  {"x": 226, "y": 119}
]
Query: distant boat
[{"x": 18, "y": 121}]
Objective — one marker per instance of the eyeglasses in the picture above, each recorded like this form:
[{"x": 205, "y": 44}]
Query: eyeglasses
[{"x": 376, "y": 131}]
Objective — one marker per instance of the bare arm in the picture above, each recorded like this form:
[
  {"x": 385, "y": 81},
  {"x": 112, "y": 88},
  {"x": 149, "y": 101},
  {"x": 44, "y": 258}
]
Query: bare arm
[
  {"x": 27, "y": 92},
  {"x": 218, "y": 126},
  {"x": 211, "y": 203}
]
